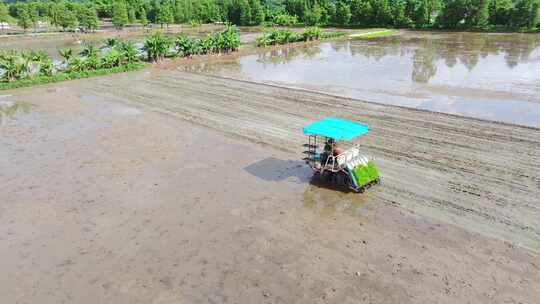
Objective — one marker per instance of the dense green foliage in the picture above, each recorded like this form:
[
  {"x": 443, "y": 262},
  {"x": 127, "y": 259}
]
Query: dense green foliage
[
  {"x": 157, "y": 46},
  {"x": 451, "y": 14},
  {"x": 35, "y": 67},
  {"x": 284, "y": 36},
  {"x": 225, "y": 41},
  {"x": 119, "y": 13},
  {"x": 65, "y": 15}
]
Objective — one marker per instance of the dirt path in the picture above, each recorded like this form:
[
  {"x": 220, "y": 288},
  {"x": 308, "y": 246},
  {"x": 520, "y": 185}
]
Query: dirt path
[
  {"x": 478, "y": 175},
  {"x": 107, "y": 200}
]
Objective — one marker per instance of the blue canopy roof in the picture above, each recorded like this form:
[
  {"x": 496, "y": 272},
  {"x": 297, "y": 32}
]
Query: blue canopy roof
[{"x": 338, "y": 129}]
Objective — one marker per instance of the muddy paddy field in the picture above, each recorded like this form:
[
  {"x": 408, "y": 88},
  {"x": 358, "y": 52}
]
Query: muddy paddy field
[{"x": 178, "y": 185}]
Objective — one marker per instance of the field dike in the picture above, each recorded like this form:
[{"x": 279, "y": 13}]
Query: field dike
[{"x": 483, "y": 176}]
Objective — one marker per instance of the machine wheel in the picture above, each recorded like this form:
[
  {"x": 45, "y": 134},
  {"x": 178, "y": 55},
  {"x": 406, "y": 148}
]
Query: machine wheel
[
  {"x": 327, "y": 176},
  {"x": 360, "y": 189}
]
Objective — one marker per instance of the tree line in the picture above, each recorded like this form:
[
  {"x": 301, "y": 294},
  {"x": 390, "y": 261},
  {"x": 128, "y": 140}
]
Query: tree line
[
  {"x": 64, "y": 15},
  {"x": 443, "y": 14}
]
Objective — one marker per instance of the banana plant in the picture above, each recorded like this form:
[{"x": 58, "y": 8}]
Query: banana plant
[
  {"x": 28, "y": 63},
  {"x": 44, "y": 62},
  {"x": 207, "y": 45},
  {"x": 129, "y": 53},
  {"x": 231, "y": 39},
  {"x": 12, "y": 66},
  {"x": 76, "y": 64},
  {"x": 111, "y": 42},
  {"x": 66, "y": 53},
  {"x": 156, "y": 46},
  {"x": 112, "y": 58},
  {"x": 89, "y": 51},
  {"x": 46, "y": 67},
  {"x": 184, "y": 45}
]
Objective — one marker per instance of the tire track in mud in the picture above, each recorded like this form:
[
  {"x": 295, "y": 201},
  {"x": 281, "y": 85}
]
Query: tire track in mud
[{"x": 483, "y": 176}]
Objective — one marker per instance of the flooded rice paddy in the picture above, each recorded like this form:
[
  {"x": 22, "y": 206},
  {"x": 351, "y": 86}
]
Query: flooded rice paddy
[
  {"x": 487, "y": 76},
  {"x": 166, "y": 186}
]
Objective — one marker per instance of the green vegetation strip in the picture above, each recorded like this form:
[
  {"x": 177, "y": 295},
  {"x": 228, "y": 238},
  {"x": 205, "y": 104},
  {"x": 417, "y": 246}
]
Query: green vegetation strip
[
  {"x": 62, "y": 76},
  {"x": 284, "y": 36},
  {"x": 370, "y": 35},
  {"x": 32, "y": 67}
]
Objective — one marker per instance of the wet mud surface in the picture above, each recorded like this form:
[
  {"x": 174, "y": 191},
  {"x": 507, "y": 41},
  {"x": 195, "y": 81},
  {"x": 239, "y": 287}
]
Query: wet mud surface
[
  {"x": 168, "y": 187},
  {"x": 478, "y": 175}
]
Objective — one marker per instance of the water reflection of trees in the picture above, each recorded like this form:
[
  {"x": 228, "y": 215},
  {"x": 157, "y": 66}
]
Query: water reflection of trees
[
  {"x": 287, "y": 53},
  {"x": 463, "y": 48},
  {"x": 9, "y": 109},
  {"x": 425, "y": 50},
  {"x": 213, "y": 67}
]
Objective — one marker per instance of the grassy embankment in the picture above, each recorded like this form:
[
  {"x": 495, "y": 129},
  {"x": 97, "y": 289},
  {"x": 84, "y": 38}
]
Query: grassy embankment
[
  {"x": 286, "y": 36},
  {"x": 376, "y": 34}
]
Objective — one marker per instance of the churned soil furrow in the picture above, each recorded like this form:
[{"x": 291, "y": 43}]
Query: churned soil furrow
[{"x": 480, "y": 175}]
